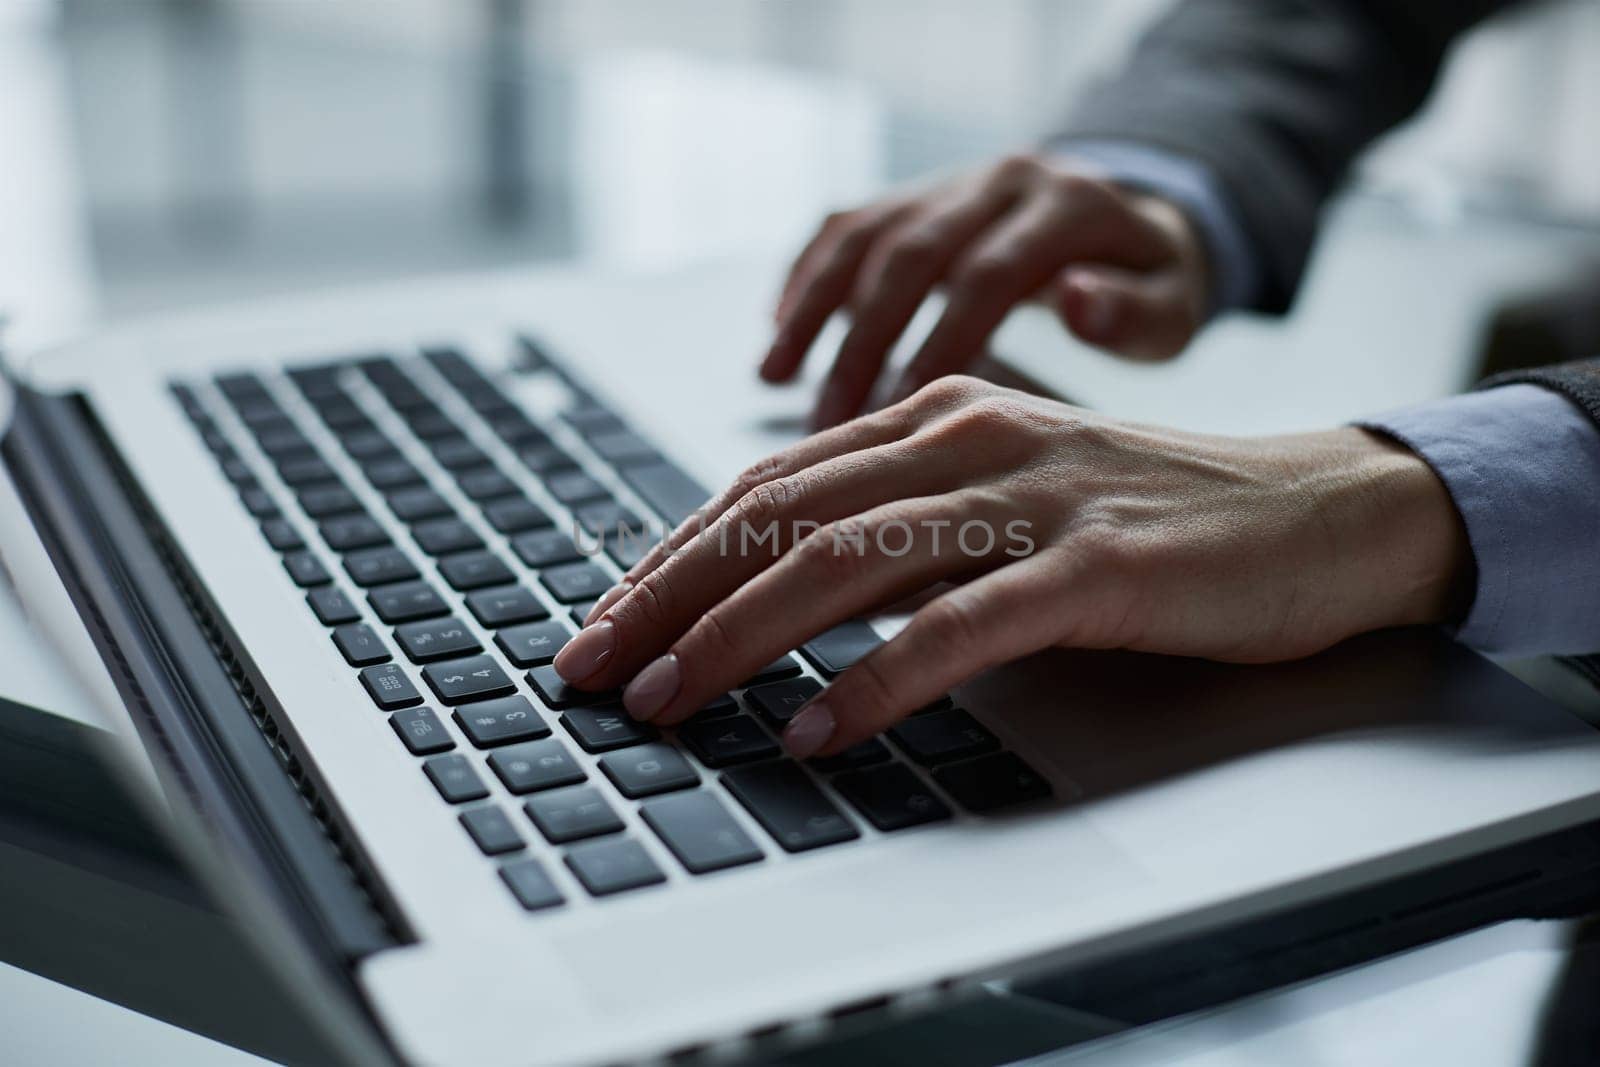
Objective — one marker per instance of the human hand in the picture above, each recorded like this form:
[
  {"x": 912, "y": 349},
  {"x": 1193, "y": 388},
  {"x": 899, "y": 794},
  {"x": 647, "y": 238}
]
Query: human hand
[
  {"x": 1124, "y": 271},
  {"x": 1100, "y": 534}
]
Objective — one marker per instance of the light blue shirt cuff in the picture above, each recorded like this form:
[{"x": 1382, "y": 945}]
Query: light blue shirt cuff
[
  {"x": 1235, "y": 268},
  {"x": 1523, "y": 467}
]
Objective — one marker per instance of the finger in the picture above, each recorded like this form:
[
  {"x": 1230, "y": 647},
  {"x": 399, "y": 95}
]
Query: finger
[
  {"x": 991, "y": 620},
  {"x": 828, "y": 577},
  {"x": 821, "y": 284},
  {"x": 1143, "y": 316}
]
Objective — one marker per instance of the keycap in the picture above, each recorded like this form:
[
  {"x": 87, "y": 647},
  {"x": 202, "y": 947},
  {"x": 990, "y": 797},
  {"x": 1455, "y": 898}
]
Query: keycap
[
  {"x": 413, "y": 505},
  {"x": 535, "y": 765},
  {"x": 782, "y": 667},
  {"x": 365, "y": 444},
  {"x": 457, "y": 453},
  {"x": 514, "y": 428},
  {"x": 592, "y": 419},
  {"x": 991, "y": 782},
  {"x": 454, "y": 778},
  {"x": 530, "y": 884},
  {"x": 572, "y": 814},
  {"x": 391, "y": 473},
  {"x": 725, "y": 742},
  {"x": 627, "y": 549},
  {"x": 837, "y": 650},
  {"x": 716, "y": 708},
  {"x": 437, "y": 537},
  {"x": 602, "y": 729},
  {"x": 300, "y": 470},
  {"x": 942, "y": 737},
  {"x": 491, "y": 831},
  {"x": 379, "y": 566},
  {"x": 458, "y": 681},
  {"x": 258, "y": 502},
  {"x": 505, "y": 605},
  {"x": 668, "y": 491},
  {"x": 500, "y": 721},
  {"x": 572, "y": 487},
  {"x": 544, "y": 459},
  {"x": 475, "y": 570},
  {"x": 389, "y": 687},
  {"x": 345, "y": 533},
  {"x": 235, "y": 469},
  {"x": 306, "y": 569},
  {"x": 778, "y": 702},
  {"x": 558, "y": 694},
  {"x": 421, "y": 731},
  {"x": 532, "y": 644},
  {"x": 580, "y": 611},
  {"x": 891, "y": 797},
  {"x": 621, "y": 447},
  {"x": 649, "y": 769},
  {"x": 542, "y": 548},
  {"x": 325, "y": 501},
  {"x": 360, "y": 645},
  {"x": 429, "y": 423},
  {"x": 331, "y": 606},
  {"x": 575, "y": 581},
  {"x": 282, "y": 441},
  {"x": 608, "y": 519},
  {"x": 516, "y": 514},
  {"x": 866, "y": 754},
  {"x": 485, "y": 483},
  {"x": 700, "y": 832},
  {"x": 606, "y": 867},
  {"x": 406, "y": 601},
  {"x": 788, "y": 805},
  {"x": 281, "y": 535},
  {"x": 436, "y": 639}
]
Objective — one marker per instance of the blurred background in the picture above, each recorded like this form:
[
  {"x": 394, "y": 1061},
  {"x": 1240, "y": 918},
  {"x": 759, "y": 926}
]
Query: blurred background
[{"x": 161, "y": 153}]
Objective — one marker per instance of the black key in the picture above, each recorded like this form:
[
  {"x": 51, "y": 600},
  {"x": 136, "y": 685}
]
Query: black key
[
  {"x": 360, "y": 645},
  {"x": 571, "y": 814},
  {"x": 725, "y": 742},
  {"x": 605, "y": 728},
  {"x": 387, "y": 474},
  {"x": 700, "y": 832},
  {"x": 668, "y": 491},
  {"x": 430, "y": 424},
  {"x": 235, "y": 469},
  {"x": 777, "y": 703},
  {"x": 866, "y": 754},
  {"x": 454, "y": 778},
  {"x": 473, "y": 678},
  {"x": 491, "y": 830},
  {"x": 437, "y": 537},
  {"x": 782, "y": 667},
  {"x": 545, "y": 459},
  {"x": 621, "y": 447},
  {"x": 281, "y": 535},
  {"x": 406, "y": 601},
  {"x": 258, "y": 502},
  {"x": 421, "y": 731},
  {"x": 943, "y": 703},
  {"x": 627, "y": 549},
  {"x": 607, "y": 867},
  {"x": 990, "y": 782},
  {"x": 535, "y": 765},
  {"x": 789, "y": 805},
  {"x": 366, "y": 444},
  {"x": 301, "y": 471},
  {"x": 505, "y": 605},
  {"x": 389, "y": 687},
  {"x": 892, "y": 797},
  {"x": 558, "y": 694},
  {"x": 608, "y": 519},
  {"x": 530, "y": 884},
  {"x": 436, "y": 639},
  {"x": 284, "y": 443},
  {"x": 515, "y": 515},
  {"x": 378, "y": 566},
  {"x": 592, "y": 419},
  {"x": 346, "y": 533},
  {"x": 943, "y": 737},
  {"x": 575, "y": 581},
  {"x": 580, "y": 611},
  {"x": 572, "y": 487},
  {"x": 413, "y": 505},
  {"x": 485, "y": 483},
  {"x": 326, "y": 501},
  {"x": 542, "y": 548},
  {"x": 837, "y": 650},
  {"x": 501, "y": 721},
  {"x": 475, "y": 570},
  {"x": 306, "y": 570},
  {"x": 331, "y": 606},
  {"x": 532, "y": 644},
  {"x": 649, "y": 769},
  {"x": 718, "y": 708},
  {"x": 457, "y": 453}
]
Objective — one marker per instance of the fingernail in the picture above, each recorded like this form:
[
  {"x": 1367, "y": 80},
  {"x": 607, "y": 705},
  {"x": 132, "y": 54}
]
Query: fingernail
[
  {"x": 652, "y": 688},
  {"x": 584, "y": 654},
  {"x": 601, "y": 606},
  {"x": 1099, "y": 311},
  {"x": 809, "y": 730}
]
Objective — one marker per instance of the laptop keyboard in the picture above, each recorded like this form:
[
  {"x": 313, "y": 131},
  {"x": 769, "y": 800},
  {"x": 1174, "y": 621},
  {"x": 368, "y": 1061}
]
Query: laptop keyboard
[{"x": 450, "y": 601}]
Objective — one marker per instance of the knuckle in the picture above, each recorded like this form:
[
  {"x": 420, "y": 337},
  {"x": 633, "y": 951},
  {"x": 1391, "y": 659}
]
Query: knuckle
[
  {"x": 951, "y": 630},
  {"x": 833, "y": 559},
  {"x": 950, "y": 391},
  {"x": 989, "y": 272},
  {"x": 873, "y": 691},
  {"x": 758, "y": 473},
  {"x": 769, "y": 501},
  {"x": 909, "y": 253},
  {"x": 1016, "y": 166},
  {"x": 651, "y": 600},
  {"x": 710, "y": 640}
]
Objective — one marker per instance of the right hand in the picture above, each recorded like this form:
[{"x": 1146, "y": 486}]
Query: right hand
[{"x": 1125, "y": 271}]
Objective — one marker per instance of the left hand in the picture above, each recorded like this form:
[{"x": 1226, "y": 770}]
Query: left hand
[{"x": 1057, "y": 526}]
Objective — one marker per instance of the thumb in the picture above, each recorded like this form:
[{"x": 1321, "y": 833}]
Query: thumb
[{"x": 1142, "y": 315}]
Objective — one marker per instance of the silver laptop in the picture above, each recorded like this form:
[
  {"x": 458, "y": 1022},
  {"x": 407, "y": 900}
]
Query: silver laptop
[{"x": 324, "y": 550}]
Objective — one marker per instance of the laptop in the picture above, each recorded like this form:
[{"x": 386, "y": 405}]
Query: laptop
[{"x": 320, "y": 552}]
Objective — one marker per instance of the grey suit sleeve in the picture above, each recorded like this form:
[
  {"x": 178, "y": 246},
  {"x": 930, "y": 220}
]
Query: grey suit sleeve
[{"x": 1276, "y": 97}]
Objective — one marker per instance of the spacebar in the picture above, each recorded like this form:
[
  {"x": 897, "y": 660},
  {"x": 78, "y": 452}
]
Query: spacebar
[{"x": 671, "y": 493}]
